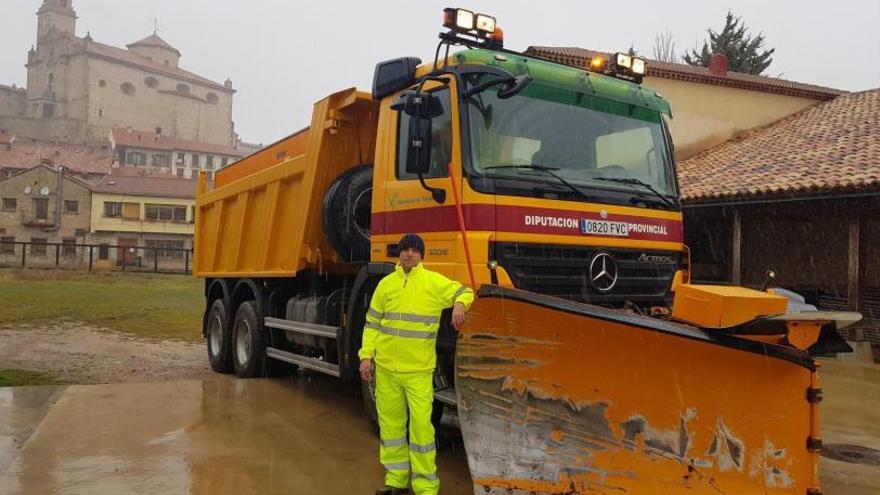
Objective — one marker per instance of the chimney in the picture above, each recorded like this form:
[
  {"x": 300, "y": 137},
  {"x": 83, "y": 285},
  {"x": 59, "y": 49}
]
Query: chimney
[{"x": 718, "y": 65}]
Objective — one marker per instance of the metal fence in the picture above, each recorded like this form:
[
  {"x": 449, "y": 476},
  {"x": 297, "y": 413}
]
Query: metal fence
[{"x": 69, "y": 255}]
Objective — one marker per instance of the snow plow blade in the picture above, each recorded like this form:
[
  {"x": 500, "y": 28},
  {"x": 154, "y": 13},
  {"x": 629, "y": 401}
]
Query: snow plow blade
[{"x": 559, "y": 397}]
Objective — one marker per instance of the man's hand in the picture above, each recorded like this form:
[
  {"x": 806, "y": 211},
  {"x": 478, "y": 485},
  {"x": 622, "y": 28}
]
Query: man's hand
[
  {"x": 458, "y": 314},
  {"x": 366, "y": 370}
]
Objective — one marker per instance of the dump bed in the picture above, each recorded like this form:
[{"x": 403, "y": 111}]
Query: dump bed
[{"x": 263, "y": 217}]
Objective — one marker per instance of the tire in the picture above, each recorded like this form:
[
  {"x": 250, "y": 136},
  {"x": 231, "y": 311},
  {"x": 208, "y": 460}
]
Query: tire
[
  {"x": 218, "y": 336},
  {"x": 248, "y": 341},
  {"x": 346, "y": 214}
]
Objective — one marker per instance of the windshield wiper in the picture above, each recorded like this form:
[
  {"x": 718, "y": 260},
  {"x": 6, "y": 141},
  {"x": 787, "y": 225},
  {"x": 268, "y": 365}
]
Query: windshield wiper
[
  {"x": 637, "y": 182},
  {"x": 547, "y": 170}
]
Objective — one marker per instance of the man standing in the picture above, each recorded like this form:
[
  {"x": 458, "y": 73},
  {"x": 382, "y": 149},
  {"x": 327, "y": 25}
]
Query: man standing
[{"x": 400, "y": 337}]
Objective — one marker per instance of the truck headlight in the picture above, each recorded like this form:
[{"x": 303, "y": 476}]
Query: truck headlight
[
  {"x": 623, "y": 60},
  {"x": 485, "y": 23},
  {"x": 639, "y": 67}
]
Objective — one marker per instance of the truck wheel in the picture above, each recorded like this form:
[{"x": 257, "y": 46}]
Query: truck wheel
[
  {"x": 219, "y": 338},
  {"x": 248, "y": 342},
  {"x": 347, "y": 212}
]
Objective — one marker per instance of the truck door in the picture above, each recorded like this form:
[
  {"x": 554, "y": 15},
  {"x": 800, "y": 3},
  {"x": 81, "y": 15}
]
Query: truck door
[{"x": 408, "y": 206}]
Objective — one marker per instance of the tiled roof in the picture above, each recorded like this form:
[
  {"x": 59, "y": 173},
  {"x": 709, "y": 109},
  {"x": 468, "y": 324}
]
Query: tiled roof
[
  {"x": 73, "y": 178},
  {"x": 24, "y": 154},
  {"x": 130, "y": 57},
  {"x": 155, "y": 41},
  {"x": 152, "y": 141},
  {"x": 578, "y": 57},
  {"x": 830, "y": 148},
  {"x": 132, "y": 185}
]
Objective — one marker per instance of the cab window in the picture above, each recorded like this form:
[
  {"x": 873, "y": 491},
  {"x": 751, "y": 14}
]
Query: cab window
[{"x": 441, "y": 140}]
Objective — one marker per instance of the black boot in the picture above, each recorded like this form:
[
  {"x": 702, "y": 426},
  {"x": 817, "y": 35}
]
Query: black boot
[{"x": 390, "y": 490}]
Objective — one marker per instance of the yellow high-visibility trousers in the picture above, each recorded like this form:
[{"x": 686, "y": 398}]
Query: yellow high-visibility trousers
[{"x": 397, "y": 392}]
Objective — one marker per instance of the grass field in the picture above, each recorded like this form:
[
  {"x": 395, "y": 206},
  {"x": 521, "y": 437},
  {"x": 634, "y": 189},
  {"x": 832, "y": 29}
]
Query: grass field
[
  {"x": 21, "y": 378},
  {"x": 151, "y": 306}
]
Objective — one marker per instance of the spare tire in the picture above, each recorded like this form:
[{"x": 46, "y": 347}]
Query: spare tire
[{"x": 347, "y": 211}]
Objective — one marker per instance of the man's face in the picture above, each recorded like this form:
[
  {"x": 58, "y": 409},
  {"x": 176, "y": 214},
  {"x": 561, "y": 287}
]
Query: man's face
[{"x": 410, "y": 257}]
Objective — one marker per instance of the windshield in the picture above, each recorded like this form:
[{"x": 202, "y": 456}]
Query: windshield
[{"x": 586, "y": 140}]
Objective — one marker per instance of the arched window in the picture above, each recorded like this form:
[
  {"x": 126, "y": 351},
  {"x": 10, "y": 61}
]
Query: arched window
[
  {"x": 212, "y": 98},
  {"x": 183, "y": 88},
  {"x": 151, "y": 82},
  {"x": 127, "y": 88}
]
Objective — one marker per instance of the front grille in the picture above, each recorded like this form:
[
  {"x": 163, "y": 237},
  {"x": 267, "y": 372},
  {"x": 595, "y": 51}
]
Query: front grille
[{"x": 562, "y": 271}]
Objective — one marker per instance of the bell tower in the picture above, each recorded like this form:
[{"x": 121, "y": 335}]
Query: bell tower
[{"x": 57, "y": 14}]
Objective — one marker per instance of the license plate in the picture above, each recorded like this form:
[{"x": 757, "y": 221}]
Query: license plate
[{"x": 604, "y": 227}]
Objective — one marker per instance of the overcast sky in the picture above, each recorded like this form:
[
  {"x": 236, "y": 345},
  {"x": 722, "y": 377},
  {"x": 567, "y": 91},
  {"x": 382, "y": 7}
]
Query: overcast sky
[{"x": 283, "y": 55}]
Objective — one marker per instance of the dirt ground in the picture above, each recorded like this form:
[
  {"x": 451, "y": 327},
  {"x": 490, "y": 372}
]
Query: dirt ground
[{"x": 77, "y": 353}]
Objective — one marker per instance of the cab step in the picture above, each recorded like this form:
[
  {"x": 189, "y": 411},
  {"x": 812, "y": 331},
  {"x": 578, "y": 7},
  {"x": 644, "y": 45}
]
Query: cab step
[{"x": 446, "y": 396}]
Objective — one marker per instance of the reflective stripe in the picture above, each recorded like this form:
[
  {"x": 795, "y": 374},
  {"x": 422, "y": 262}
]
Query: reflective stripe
[
  {"x": 375, "y": 314},
  {"x": 412, "y": 317},
  {"x": 397, "y": 466},
  {"x": 410, "y": 334},
  {"x": 423, "y": 449},
  {"x": 374, "y": 326},
  {"x": 394, "y": 442},
  {"x": 459, "y": 292},
  {"x": 429, "y": 477}
]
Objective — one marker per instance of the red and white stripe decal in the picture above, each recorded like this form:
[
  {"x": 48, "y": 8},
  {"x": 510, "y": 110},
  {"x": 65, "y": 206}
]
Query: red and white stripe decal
[{"x": 503, "y": 218}]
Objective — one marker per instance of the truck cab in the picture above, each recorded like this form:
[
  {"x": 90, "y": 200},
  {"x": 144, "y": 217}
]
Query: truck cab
[{"x": 567, "y": 185}]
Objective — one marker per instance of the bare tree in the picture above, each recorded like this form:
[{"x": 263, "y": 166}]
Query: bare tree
[{"x": 664, "y": 47}]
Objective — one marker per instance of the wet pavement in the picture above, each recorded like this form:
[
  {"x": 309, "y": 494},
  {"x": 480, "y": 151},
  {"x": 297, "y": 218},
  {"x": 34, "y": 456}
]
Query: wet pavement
[
  {"x": 222, "y": 436},
  {"x": 295, "y": 436}
]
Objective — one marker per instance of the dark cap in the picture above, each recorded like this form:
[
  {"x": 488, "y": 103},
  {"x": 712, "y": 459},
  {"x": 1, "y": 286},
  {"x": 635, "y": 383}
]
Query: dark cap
[{"x": 412, "y": 241}]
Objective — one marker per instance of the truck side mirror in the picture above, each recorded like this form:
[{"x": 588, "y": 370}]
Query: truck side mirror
[{"x": 419, "y": 156}]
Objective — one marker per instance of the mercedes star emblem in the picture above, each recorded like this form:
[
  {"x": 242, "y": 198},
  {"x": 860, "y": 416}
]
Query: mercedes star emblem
[{"x": 603, "y": 273}]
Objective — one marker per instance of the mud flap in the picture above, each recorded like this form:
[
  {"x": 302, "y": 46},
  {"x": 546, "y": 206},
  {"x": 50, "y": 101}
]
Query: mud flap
[{"x": 561, "y": 397}]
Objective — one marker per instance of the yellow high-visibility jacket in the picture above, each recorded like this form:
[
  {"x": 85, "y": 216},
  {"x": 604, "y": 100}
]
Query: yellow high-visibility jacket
[{"x": 404, "y": 315}]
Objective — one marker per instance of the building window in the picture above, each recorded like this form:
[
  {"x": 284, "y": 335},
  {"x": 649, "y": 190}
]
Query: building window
[
  {"x": 136, "y": 158},
  {"x": 195, "y": 161},
  {"x": 38, "y": 245},
  {"x": 183, "y": 88},
  {"x": 180, "y": 171},
  {"x": 112, "y": 209},
  {"x": 7, "y": 245},
  {"x": 192, "y": 214},
  {"x": 41, "y": 208},
  {"x": 209, "y": 175},
  {"x": 103, "y": 252},
  {"x": 165, "y": 213},
  {"x": 224, "y": 161},
  {"x": 71, "y": 206},
  {"x": 212, "y": 98},
  {"x": 48, "y": 110},
  {"x": 10, "y": 204},
  {"x": 131, "y": 211},
  {"x": 127, "y": 88},
  {"x": 163, "y": 161},
  {"x": 151, "y": 82},
  {"x": 164, "y": 248},
  {"x": 180, "y": 157},
  {"x": 68, "y": 247},
  {"x": 210, "y": 163}
]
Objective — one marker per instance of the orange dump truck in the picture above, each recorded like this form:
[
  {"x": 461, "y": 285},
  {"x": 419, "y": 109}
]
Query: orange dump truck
[{"x": 589, "y": 363}]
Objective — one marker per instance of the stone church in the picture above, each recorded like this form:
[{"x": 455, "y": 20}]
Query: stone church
[{"x": 78, "y": 89}]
